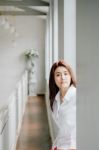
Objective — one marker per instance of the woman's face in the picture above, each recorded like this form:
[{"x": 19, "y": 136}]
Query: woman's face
[{"x": 62, "y": 77}]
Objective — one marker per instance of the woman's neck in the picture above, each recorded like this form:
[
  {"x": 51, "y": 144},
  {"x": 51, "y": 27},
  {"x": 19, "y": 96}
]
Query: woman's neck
[{"x": 63, "y": 93}]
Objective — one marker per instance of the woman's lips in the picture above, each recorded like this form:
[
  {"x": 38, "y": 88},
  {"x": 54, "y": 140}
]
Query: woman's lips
[{"x": 63, "y": 82}]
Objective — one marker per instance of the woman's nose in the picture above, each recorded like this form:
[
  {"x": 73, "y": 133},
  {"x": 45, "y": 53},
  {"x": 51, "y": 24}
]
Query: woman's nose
[{"x": 64, "y": 77}]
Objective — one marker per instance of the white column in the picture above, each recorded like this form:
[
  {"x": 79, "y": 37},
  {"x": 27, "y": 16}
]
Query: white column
[
  {"x": 70, "y": 32},
  {"x": 55, "y": 30},
  {"x": 47, "y": 48},
  {"x": 61, "y": 29},
  {"x": 50, "y": 33}
]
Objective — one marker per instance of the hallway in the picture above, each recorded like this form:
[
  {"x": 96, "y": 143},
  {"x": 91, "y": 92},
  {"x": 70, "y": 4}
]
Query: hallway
[{"x": 34, "y": 133}]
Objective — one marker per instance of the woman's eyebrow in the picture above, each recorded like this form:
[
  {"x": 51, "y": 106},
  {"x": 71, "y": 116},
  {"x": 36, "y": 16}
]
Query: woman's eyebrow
[
  {"x": 66, "y": 71},
  {"x": 60, "y": 72},
  {"x": 57, "y": 72}
]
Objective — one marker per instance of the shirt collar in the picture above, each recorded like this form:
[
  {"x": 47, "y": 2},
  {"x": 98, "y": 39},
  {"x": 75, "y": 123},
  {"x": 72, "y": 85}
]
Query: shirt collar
[{"x": 67, "y": 95}]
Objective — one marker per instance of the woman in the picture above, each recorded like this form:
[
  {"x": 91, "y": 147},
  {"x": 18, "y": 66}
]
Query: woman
[{"x": 62, "y": 95}]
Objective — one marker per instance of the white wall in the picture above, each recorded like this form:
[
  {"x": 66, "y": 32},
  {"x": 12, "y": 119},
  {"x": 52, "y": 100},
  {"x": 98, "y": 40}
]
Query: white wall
[
  {"x": 31, "y": 32},
  {"x": 88, "y": 74}
]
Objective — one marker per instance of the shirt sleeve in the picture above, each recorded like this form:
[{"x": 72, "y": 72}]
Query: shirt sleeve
[{"x": 71, "y": 121}]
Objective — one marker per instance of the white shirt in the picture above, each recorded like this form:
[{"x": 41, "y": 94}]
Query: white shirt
[{"x": 64, "y": 116}]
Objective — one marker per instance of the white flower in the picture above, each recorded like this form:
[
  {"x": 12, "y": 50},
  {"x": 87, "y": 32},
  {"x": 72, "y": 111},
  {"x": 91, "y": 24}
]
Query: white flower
[{"x": 31, "y": 52}]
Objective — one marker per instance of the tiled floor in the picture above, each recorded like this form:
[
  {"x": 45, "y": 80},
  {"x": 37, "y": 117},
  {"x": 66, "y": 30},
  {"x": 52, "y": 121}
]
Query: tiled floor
[{"x": 35, "y": 131}]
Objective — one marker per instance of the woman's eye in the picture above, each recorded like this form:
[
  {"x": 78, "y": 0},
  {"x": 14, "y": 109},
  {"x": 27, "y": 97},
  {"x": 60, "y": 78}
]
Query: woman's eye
[{"x": 57, "y": 75}]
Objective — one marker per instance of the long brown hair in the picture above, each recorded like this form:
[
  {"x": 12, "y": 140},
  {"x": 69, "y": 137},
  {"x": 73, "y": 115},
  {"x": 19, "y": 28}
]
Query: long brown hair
[{"x": 53, "y": 89}]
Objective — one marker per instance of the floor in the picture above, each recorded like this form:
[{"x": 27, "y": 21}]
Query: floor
[{"x": 34, "y": 133}]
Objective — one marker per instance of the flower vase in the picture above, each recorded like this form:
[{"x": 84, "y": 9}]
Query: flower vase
[{"x": 29, "y": 65}]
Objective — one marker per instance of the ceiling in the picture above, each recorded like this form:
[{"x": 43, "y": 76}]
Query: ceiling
[{"x": 24, "y": 7}]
